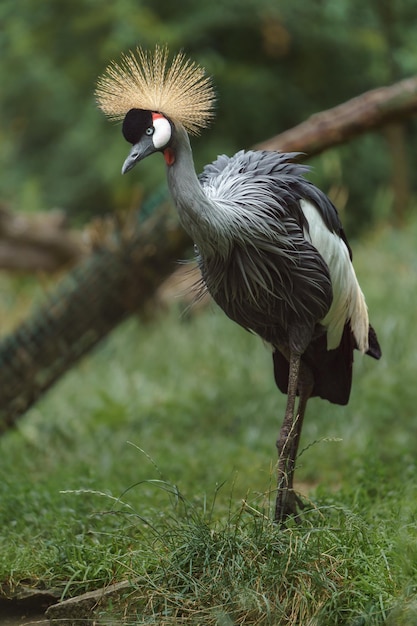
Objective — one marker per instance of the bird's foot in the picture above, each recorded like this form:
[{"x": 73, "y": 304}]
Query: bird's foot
[{"x": 288, "y": 504}]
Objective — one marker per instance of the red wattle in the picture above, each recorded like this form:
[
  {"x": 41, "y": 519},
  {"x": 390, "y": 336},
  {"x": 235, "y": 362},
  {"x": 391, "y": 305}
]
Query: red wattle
[{"x": 169, "y": 156}]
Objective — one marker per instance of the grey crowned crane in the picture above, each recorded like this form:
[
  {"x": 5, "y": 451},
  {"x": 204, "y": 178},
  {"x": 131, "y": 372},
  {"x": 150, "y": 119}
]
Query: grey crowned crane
[{"x": 270, "y": 245}]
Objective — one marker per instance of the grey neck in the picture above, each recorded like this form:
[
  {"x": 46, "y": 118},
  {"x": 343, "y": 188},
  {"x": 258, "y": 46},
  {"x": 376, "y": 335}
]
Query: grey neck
[{"x": 199, "y": 215}]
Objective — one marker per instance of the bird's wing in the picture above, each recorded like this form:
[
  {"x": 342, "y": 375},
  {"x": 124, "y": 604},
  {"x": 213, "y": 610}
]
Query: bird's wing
[
  {"x": 276, "y": 173},
  {"x": 256, "y": 188},
  {"x": 348, "y": 300},
  {"x": 257, "y": 196},
  {"x": 270, "y": 189}
]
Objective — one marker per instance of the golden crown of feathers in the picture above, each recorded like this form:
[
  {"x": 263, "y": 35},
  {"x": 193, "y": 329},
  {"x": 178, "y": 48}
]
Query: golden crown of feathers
[{"x": 143, "y": 80}]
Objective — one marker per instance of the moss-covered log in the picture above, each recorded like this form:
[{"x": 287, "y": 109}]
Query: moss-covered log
[{"x": 116, "y": 281}]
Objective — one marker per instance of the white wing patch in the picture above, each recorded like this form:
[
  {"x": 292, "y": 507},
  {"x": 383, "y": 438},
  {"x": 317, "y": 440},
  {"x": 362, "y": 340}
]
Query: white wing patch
[{"x": 348, "y": 299}]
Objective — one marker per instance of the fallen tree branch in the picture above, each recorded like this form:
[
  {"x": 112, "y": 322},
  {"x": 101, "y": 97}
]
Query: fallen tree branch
[
  {"x": 40, "y": 242},
  {"x": 43, "y": 243},
  {"x": 116, "y": 281},
  {"x": 122, "y": 278},
  {"x": 365, "y": 113}
]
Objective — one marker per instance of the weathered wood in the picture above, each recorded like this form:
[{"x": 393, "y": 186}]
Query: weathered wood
[
  {"x": 40, "y": 242},
  {"x": 116, "y": 281},
  {"x": 82, "y": 610},
  {"x": 368, "y": 112}
]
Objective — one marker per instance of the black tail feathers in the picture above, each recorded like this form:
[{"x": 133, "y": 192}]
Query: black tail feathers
[
  {"x": 374, "y": 349},
  {"x": 332, "y": 369}
]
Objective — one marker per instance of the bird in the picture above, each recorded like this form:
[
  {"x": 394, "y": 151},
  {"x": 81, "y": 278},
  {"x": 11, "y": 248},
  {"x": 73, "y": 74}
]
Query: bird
[{"x": 269, "y": 244}]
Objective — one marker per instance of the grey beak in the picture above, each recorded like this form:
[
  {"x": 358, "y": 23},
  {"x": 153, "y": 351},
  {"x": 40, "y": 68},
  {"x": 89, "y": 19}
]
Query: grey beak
[
  {"x": 139, "y": 151},
  {"x": 133, "y": 157}
]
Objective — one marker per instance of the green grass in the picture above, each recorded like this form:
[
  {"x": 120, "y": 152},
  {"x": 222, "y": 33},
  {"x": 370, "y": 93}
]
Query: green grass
[{"x": 154, "y": 461}]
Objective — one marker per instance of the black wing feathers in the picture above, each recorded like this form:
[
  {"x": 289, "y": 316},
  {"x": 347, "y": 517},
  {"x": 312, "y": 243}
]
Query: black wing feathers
[{"x": 332, "y": 369}]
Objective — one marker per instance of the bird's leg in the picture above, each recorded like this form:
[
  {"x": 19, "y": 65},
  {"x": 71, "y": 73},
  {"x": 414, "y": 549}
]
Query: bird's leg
[
  {"x": 285, "y": 443},
  {"x": 299, "y": 378}
]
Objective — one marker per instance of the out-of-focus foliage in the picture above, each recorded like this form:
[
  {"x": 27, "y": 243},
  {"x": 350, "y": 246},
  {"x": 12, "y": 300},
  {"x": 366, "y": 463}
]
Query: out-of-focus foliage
[{"x": 273, "y": 62}]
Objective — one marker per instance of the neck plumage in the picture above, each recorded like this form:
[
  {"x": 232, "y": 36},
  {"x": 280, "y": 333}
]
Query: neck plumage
[{"x": 200, "y": 216}]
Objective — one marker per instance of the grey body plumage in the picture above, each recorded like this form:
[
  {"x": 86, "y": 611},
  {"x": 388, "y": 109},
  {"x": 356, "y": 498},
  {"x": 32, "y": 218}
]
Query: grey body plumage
[
  {"x": 271, "y": 248},
  {"x": 271, "y": 279}
]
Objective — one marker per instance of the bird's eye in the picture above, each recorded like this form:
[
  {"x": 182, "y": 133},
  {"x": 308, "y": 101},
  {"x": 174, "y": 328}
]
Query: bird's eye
[{"x": 150, "y": 131}]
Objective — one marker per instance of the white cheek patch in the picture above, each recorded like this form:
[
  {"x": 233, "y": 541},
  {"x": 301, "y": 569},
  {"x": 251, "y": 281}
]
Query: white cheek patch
[{"x": 162, "y": 134}]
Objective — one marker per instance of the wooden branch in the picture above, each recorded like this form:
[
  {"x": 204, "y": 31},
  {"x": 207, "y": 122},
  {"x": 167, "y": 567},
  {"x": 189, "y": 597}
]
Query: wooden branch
[
  {"x": 117, "y": 280},
  {"x": 362, "y": 114},
  {"x": 40, "y": 242}
]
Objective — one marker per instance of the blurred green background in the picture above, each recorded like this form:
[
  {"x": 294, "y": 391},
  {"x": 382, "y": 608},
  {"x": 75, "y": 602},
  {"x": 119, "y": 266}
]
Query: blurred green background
[
  {"x": 195, "y": 392},
  {"x": 274, "y": 63}
]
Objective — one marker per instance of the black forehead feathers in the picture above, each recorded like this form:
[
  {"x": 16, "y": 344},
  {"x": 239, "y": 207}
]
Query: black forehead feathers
[{"x": 135, "y": 123}]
